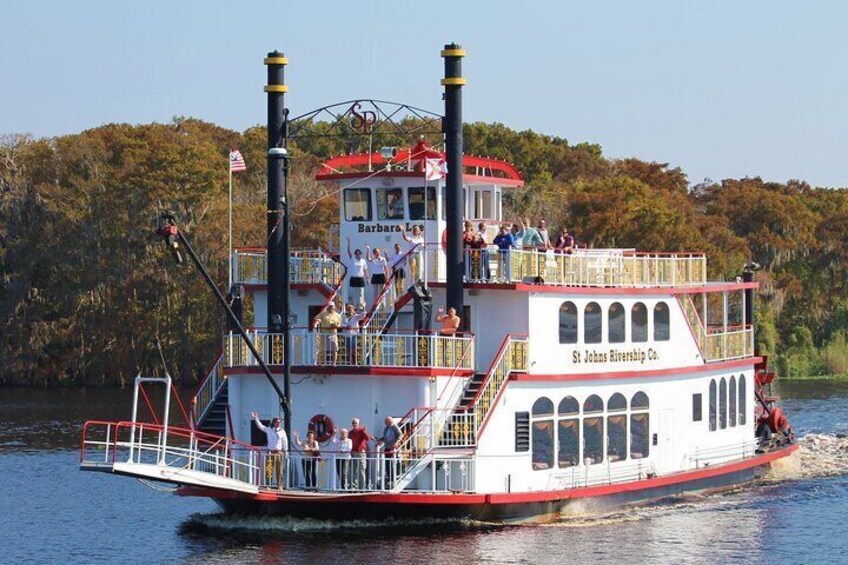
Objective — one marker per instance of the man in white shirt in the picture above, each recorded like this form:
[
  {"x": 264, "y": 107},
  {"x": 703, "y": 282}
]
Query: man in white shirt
[
  {"x": 278, "y": 445},
  {"x": 350, "y": 331}
]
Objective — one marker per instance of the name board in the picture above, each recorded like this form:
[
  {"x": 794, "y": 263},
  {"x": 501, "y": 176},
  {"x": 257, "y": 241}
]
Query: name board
[
  {"x": 634, "y": 355},
  {"x": 390, "y": 228}
]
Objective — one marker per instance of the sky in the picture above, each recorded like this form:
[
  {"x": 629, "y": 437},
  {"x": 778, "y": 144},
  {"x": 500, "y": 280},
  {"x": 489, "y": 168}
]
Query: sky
[{"x": 721, "y": 89}]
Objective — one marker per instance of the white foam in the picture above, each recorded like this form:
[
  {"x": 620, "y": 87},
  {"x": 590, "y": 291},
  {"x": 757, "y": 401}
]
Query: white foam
[{"x": 819, "y": 456}]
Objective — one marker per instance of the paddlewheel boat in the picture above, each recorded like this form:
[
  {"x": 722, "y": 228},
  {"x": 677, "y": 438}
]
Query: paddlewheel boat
[{"x": 603, "y": 375}]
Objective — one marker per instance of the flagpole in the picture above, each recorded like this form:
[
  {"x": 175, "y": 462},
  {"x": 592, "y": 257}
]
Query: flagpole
[{"x": 230, "y": 239}]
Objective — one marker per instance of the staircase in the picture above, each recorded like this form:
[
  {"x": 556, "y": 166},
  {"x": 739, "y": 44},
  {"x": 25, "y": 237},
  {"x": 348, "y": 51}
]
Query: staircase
[
  {"x": 471, "y": 390},
  {"x": 214, "y": 420}
]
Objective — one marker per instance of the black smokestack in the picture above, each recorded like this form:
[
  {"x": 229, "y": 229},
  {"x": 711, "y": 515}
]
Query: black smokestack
[{"x": 452, "y": 128}]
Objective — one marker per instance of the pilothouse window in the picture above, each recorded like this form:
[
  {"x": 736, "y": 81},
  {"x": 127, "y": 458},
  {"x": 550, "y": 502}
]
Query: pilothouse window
[
  {"x": 419, "y": 207},
  {"x": 390, "y": 204},
  {"x": 357, "y": 204}
]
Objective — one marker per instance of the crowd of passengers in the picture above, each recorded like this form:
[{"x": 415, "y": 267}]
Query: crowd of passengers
[{"x": 349, "y": 459}]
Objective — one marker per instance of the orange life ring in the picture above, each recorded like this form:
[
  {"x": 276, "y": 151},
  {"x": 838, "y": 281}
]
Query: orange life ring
[{"x": 322, "y": 426}]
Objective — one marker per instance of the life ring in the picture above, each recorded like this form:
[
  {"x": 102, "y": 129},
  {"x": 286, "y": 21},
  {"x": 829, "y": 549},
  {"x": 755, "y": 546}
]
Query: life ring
[{"x": 322, "y": 426}]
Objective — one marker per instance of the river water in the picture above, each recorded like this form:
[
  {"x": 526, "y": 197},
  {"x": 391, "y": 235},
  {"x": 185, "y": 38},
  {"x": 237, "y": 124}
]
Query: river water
[{"x": 52, "y": 512}]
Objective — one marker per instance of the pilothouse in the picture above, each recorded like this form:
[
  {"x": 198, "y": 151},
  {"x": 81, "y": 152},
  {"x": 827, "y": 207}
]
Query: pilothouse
[{"x": 561, "y": 374}]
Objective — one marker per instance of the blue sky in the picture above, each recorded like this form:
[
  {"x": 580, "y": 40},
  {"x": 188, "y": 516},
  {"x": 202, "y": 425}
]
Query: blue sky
[{"x": 721, "y": 89}]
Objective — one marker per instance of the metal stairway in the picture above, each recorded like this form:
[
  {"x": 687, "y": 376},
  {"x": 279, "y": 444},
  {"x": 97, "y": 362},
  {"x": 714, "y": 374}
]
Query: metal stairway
[{"x": 214, "y": 419}]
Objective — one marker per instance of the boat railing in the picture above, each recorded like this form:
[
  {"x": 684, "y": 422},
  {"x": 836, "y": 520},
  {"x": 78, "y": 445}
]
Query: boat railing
[
  {"x": 512, "y": 356},
  {"x": 712, "y": 455},
  {"x": 361, "y": 349},
  {"x": 250, "y": 266},
  {"x": 717, "y": 343},
  {"x": 606, "y": 473},
  {"x": 208, "y": 390}
]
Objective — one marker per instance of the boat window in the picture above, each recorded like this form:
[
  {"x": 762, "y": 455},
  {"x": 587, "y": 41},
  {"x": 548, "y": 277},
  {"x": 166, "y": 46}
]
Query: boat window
[
  {"x": 483, "y": 205},
  {"x": 542, "y": 439},
  {"x": 593, "y": 440},
  {"x": 522, "y": 431},
  {"x": 390, "y": 204},
  {"x": 662, "y": 327},
  {"x": 569, "y": 442},
  {"x": 568, "y": 323},
  {"x": 638, "y": 323},
  {"x": 617, "y": 437},
  {"x": 616, "y": 323},
  {"x": 592, "y": 323},
  {"x": 543, "y": 407},
  {"x": 418, "y": 208},
  {"x": 697, "y": 409},
  {"x": 713, "y": 405},
  {"x": 357, "y": 204},
  {"x": 640, "y": 427},
  {"x": 722, "y": 404},
  {"x": 639, "y": 401},
  {"x": 731, "y": 409},
  {"x": 617, "y": 402},
  {"x": 568, "y": 406},
  {"x": 742, "y": 397},
  {"x": 593, "y": 405}
]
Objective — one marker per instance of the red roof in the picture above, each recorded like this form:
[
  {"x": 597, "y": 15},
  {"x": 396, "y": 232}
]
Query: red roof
[{"x": 410, "y": 163}]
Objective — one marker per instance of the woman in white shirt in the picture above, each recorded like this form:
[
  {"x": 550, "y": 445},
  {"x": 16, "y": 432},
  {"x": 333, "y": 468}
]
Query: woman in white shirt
[
  {"x": 378, "y": 268},
  {"x": 342, "y": 447},
  {"x": 357, "y": 270}
]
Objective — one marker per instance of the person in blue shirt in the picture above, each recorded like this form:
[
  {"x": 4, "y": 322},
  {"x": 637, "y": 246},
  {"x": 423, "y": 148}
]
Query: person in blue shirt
[{"x": 505, "y": 243}]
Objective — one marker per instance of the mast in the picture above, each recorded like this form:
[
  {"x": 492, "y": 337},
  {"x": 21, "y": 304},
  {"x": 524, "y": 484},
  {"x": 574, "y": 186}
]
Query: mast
[
  {"x": 279, "y": 248},
  {"x": 452, "y": 128}
]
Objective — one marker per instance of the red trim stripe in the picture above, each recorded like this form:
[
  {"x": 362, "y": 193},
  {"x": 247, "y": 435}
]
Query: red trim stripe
[{"x": 414, "y": 372}]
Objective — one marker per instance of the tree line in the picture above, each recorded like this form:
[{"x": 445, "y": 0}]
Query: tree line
[{"x": 88, "y": 295}]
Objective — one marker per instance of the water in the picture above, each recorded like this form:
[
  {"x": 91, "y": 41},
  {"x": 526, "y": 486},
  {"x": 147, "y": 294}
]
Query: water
[{"x": 51, "y": 512}]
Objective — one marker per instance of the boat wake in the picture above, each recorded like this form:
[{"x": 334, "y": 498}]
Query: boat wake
[{"x": 819, "y": 456}]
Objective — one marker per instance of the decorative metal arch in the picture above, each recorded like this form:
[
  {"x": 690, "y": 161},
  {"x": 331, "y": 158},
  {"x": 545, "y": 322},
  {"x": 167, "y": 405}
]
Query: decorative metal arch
[{"x": 366, "y": 117}]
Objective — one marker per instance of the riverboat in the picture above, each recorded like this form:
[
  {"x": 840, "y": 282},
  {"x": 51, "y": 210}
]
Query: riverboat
[{"x": 584, "y": 379}]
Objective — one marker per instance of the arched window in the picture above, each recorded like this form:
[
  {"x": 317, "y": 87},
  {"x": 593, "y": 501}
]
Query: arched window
[
  {"x": 568, "y": 323},
  {"x": 542, "y": 438},
  {"x": 640, "y": 426},
  {"x": 615, "y": 325},
  {"x": 617, "y": 428},
  {"x": 742, "y": 397},
  {"x": 593, "y": 430},
  {"x": 638, "y": 323},
  {"x": 639, "y": 401},
  {"x": 568, "y": 432},
  {"x": 713, "y": 405},
  {"x": 592, "y": 323},
  {"x": 662, "y": 325},
  {"x": 722, "y": 404},
  {"x": 593, "y": 405},
  {"x": 568, "y": 406},
  {"x": 731, "y": 409}
]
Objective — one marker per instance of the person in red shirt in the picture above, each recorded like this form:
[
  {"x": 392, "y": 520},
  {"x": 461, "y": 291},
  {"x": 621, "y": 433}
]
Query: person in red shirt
[{"x": 359, "y": 452}]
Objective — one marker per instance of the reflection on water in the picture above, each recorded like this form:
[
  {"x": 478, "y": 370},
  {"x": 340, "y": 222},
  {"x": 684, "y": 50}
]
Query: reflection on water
[{"x": 796, "y": 514}]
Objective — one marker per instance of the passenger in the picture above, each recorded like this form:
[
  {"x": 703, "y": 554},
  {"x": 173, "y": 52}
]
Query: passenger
[
  {"x": 484, "y": 249},
  {"x": 278, "y": 445},
  {"x": 342, "y": 446},
  {"x": 530, "y": 238},
  {"x": 390, "y": 440},
  {"x": 359, "y": 455},
  {"x": 311, "y": 455},
  {"x": 329, "y": 323},
  {"x": 542, "y": 229},
  {"x": 350, "y": 332},
  {"x": 450, "y": 321},
  {"x": 357, "y": 270},
  {"x": 472, "y": 257},
  {"x": 565, "y": 242},
  {"x": 416, "y": 239},
  {"x": 379, "y": 269},
  {"x": 505, "y": 243},
  {"x": 397, "y": 263}
]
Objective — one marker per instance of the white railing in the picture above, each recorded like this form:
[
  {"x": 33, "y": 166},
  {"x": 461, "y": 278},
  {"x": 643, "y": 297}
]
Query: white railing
[
  {"x": 512, "y": 356},
  {"x": 605, "y": 473},
  {"x": 737, "y": 450},
  {"x": 436, "y": 428},
  {"x": 359, "y": 349},
  {"x": 251, "y": 267},
  {"x": 714, "y": 343},
  {"x": 190, "y": 453},
  {"x": 208, "y": 390}
]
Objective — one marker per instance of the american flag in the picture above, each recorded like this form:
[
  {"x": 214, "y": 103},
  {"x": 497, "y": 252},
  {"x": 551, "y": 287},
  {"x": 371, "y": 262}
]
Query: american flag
[{"x": 236, "y": 161}]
